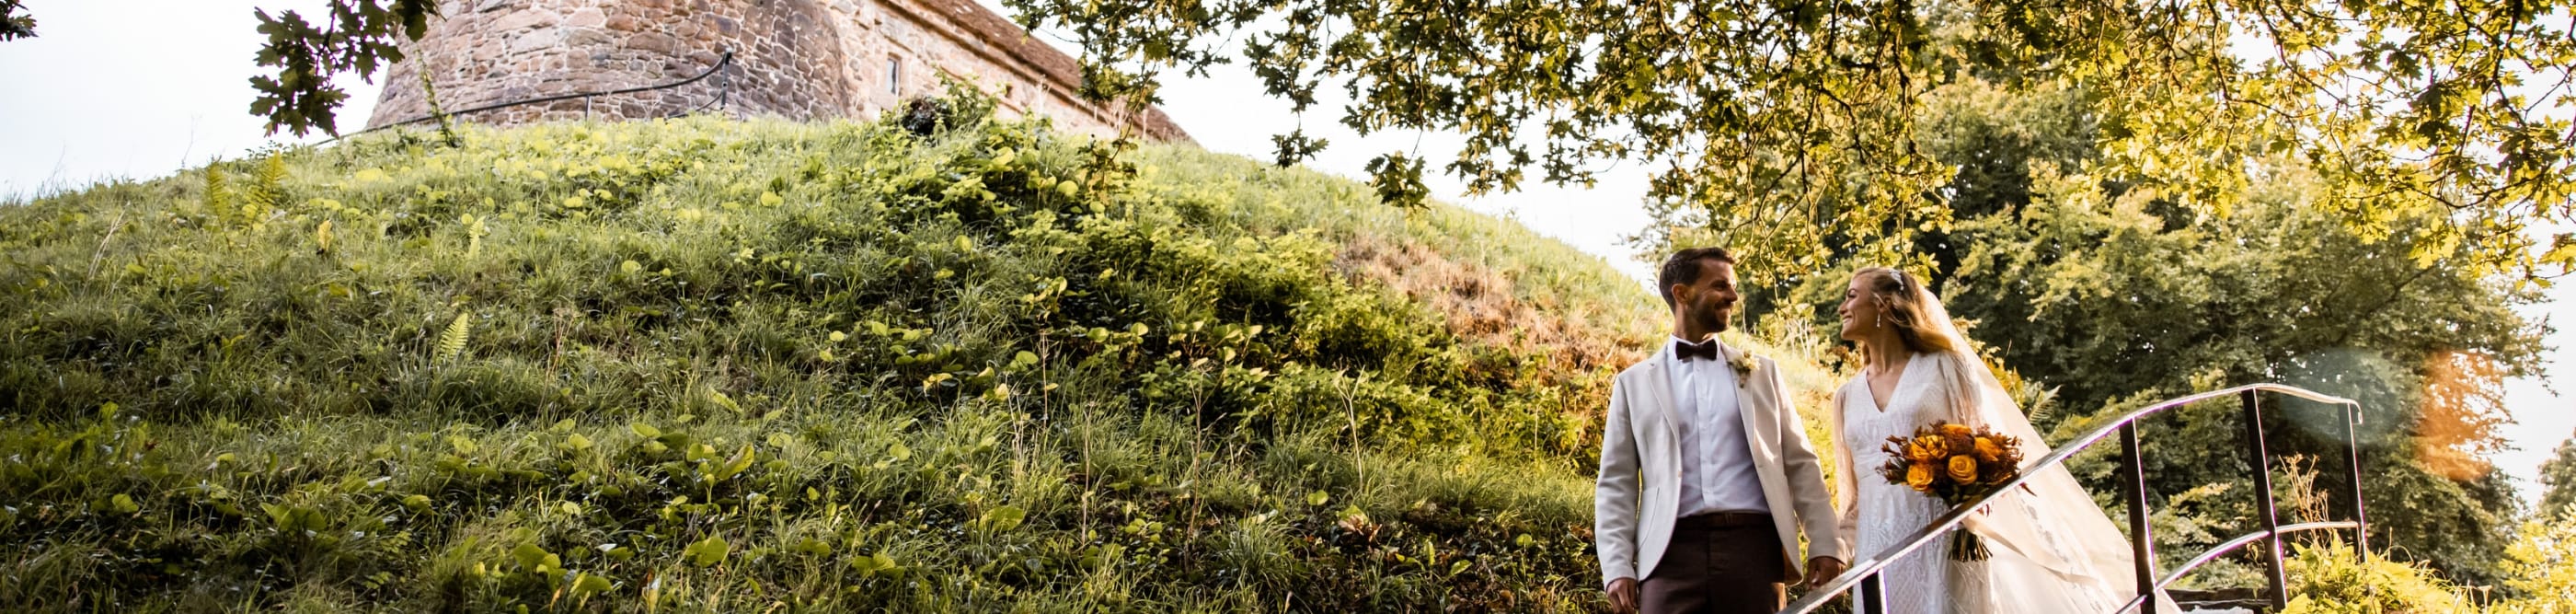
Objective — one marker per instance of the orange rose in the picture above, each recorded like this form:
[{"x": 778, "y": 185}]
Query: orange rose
[
  {"x": 1963, "y": 469},
  {"x": 1957, "y": 430},
  {"x": 1927, "y": 449},
  {"x": 1919, "y": 476},
  {"x": 1987, "y": 450}
]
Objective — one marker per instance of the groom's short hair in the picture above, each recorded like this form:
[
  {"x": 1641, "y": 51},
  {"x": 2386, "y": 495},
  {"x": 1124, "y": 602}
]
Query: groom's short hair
[{"x": 1684, "y": 268}]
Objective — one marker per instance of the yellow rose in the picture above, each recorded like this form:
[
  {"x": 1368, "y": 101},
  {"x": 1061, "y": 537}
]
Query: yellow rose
[
  {"x": 1919, "y": 476},
  {"x": 1957, "y": 430},
  {"x": 1963, "y": 469},
  {"x": 1987, "y": 450},
  {"x": 1927, "y": 448}
]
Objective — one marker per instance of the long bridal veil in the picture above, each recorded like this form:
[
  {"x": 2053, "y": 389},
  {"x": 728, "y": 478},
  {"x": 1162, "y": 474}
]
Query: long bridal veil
[{"x": 2054, "y": 549}]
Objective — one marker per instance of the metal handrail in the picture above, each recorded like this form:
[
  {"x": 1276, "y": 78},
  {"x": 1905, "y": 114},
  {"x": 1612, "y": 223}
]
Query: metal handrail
[
  {"x": 1864, "y": 573},
  {"x": 720, "y": 65},
  {"x": 2231, "y": 546}
]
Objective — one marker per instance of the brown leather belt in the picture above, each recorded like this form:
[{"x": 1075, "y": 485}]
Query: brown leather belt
[{"x": 1723, "y": 520}]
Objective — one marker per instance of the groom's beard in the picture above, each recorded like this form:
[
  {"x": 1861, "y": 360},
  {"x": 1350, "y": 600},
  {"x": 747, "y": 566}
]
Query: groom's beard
[{"x": 1711, "y": 320}]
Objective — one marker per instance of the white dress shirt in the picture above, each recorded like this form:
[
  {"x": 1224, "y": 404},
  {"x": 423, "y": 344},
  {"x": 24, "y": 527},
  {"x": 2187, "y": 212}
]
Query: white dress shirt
[{"x": 1717, "y": 465}]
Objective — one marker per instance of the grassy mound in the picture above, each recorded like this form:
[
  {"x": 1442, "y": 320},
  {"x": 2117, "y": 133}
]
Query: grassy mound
[{"x": 719, "y": 366}]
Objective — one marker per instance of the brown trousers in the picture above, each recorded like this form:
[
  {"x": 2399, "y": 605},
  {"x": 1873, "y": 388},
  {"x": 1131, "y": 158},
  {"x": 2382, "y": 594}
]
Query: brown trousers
[{"x": 1718, "y": 563}]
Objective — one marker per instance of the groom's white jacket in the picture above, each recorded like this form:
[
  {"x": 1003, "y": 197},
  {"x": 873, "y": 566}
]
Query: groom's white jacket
[{"x": 1638, "y": 492}]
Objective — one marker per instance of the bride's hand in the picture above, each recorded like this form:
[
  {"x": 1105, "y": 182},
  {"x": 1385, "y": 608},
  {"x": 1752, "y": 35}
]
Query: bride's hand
[{"x": 1821, "y": 570}]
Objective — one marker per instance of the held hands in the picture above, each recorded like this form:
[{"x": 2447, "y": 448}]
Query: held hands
[
  {"x": 1821, "y": 570},
  {"x": 1623, "y": 595}
]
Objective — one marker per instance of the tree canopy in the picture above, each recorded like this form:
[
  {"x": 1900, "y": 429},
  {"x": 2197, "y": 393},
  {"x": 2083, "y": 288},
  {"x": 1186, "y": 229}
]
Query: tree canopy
[
  {"x": 15, "y": 23},
  {"x": 2558, "y": 480},
  {"x": 2109, "y": 294},
  {"x": 1787, "y": 128},
  {"x": 356, "y": 35}
]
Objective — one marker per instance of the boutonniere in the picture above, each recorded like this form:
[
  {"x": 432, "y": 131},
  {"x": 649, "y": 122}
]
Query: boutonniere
[{"x": 1742, "y": 363}]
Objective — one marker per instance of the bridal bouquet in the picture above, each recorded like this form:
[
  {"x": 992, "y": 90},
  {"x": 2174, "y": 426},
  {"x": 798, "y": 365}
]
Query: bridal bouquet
[{"x": 1955, "y": 463}]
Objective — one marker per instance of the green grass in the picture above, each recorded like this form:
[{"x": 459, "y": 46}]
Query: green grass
[{"x": 707, "y": 365}]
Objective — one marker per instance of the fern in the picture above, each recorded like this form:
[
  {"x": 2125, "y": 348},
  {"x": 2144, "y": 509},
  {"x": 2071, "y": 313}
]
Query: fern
[
  {"x": 451, "y": 345},
  {"x": 219, "y": 196},
  {"x": 474, "y": 231},
  {"x": 267, "y": 188}
]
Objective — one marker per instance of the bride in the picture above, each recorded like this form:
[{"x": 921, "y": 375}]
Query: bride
[{"x": 2053, "y": 549}]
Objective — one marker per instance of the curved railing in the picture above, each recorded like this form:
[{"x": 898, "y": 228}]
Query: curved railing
[
  {"x": 1863, "y": 574},
  {"x": 722, "y": 96},
  {"x": 2241, "y": 541}
]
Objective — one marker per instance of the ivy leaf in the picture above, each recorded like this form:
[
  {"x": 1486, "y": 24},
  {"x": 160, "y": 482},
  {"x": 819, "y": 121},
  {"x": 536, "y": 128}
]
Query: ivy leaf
[
  {"x": 1003, "y": 519},
  {"x": 718, "y": 398},
  {"x": 586, "y": 585},
  {"x": 879, "y": 564},
  {"x": 707, "y": 552},
  {"x": 740, "y": 461},
  {"x": 534, "y": 558},
  {"x": 123, "y": 504}
]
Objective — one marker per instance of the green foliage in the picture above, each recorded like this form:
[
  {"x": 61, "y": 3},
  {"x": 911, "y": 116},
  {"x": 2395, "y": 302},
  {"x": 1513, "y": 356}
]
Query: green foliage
[
  {"x": 2558, "y": 479},
  {"x": 1791, "y": 130},
  {"x": 219, "y": 198},
  {"x": 451, "y": 344},
  {"x": 357, "y": 35},
  {"x": 15, "y": 23},
  {"x": 2329, "y": 578},
  {"x": 712, "y": 366},
  {"x": 267, "y": 188},
  {"x": 2117, "y": 305},
  {"x": 2110, "y": 292},
  {"x": 2540, "y": 566},
  {"x": 2326, "y": 578}
]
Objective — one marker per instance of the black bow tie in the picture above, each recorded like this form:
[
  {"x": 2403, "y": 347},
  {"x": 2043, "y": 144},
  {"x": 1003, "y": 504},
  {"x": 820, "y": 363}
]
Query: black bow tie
[{"x": 1706, "y": 350}]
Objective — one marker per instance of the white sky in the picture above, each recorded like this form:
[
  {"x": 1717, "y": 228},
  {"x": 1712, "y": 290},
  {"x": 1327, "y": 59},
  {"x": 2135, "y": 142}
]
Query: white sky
[{"x": 141, "y": 88}]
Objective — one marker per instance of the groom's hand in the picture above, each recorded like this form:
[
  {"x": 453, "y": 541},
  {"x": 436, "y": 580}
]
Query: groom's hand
[
  {"x": 1623, "y": 595},
  {"x": 1821, "y": 570}
]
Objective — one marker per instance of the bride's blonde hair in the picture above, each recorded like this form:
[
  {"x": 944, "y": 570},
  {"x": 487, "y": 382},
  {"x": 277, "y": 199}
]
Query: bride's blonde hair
[{"x": 1900, "y": 300}]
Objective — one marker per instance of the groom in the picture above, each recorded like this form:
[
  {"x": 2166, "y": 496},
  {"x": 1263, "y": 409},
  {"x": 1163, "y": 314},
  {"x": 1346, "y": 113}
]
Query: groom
[{"x": 1706, "y": 474}]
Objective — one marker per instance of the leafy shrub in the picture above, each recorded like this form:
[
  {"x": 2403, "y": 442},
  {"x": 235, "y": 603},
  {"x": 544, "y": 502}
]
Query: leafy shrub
[{"x": 2328, "y": 578}]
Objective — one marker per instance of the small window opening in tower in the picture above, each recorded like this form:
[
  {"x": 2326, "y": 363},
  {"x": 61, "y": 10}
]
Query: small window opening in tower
[{"x": 894, "y": 75}]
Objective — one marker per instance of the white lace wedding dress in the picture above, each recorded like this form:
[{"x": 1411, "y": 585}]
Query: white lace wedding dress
[
  {"x": 2054, "y": 551},
  {"x": 1921, "y": 582}
]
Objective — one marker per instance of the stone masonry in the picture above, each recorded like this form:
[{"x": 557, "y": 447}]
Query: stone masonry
[{"x": 798, "y": 59}]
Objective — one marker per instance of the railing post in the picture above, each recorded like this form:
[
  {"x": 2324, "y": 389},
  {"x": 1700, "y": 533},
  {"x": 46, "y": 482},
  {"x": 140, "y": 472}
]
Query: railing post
[
  {"x": 2142, "y": 542},
  {"x": 2262, "y": 464},
  {"x": 2352, "y": 458},
  {"x": 1873, "y": 600}
]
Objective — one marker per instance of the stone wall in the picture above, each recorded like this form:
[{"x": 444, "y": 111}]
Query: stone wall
[{"x": 799, "y": 59}]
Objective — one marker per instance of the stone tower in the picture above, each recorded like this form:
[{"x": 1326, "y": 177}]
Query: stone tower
[{"x": 799, "y": 59}]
